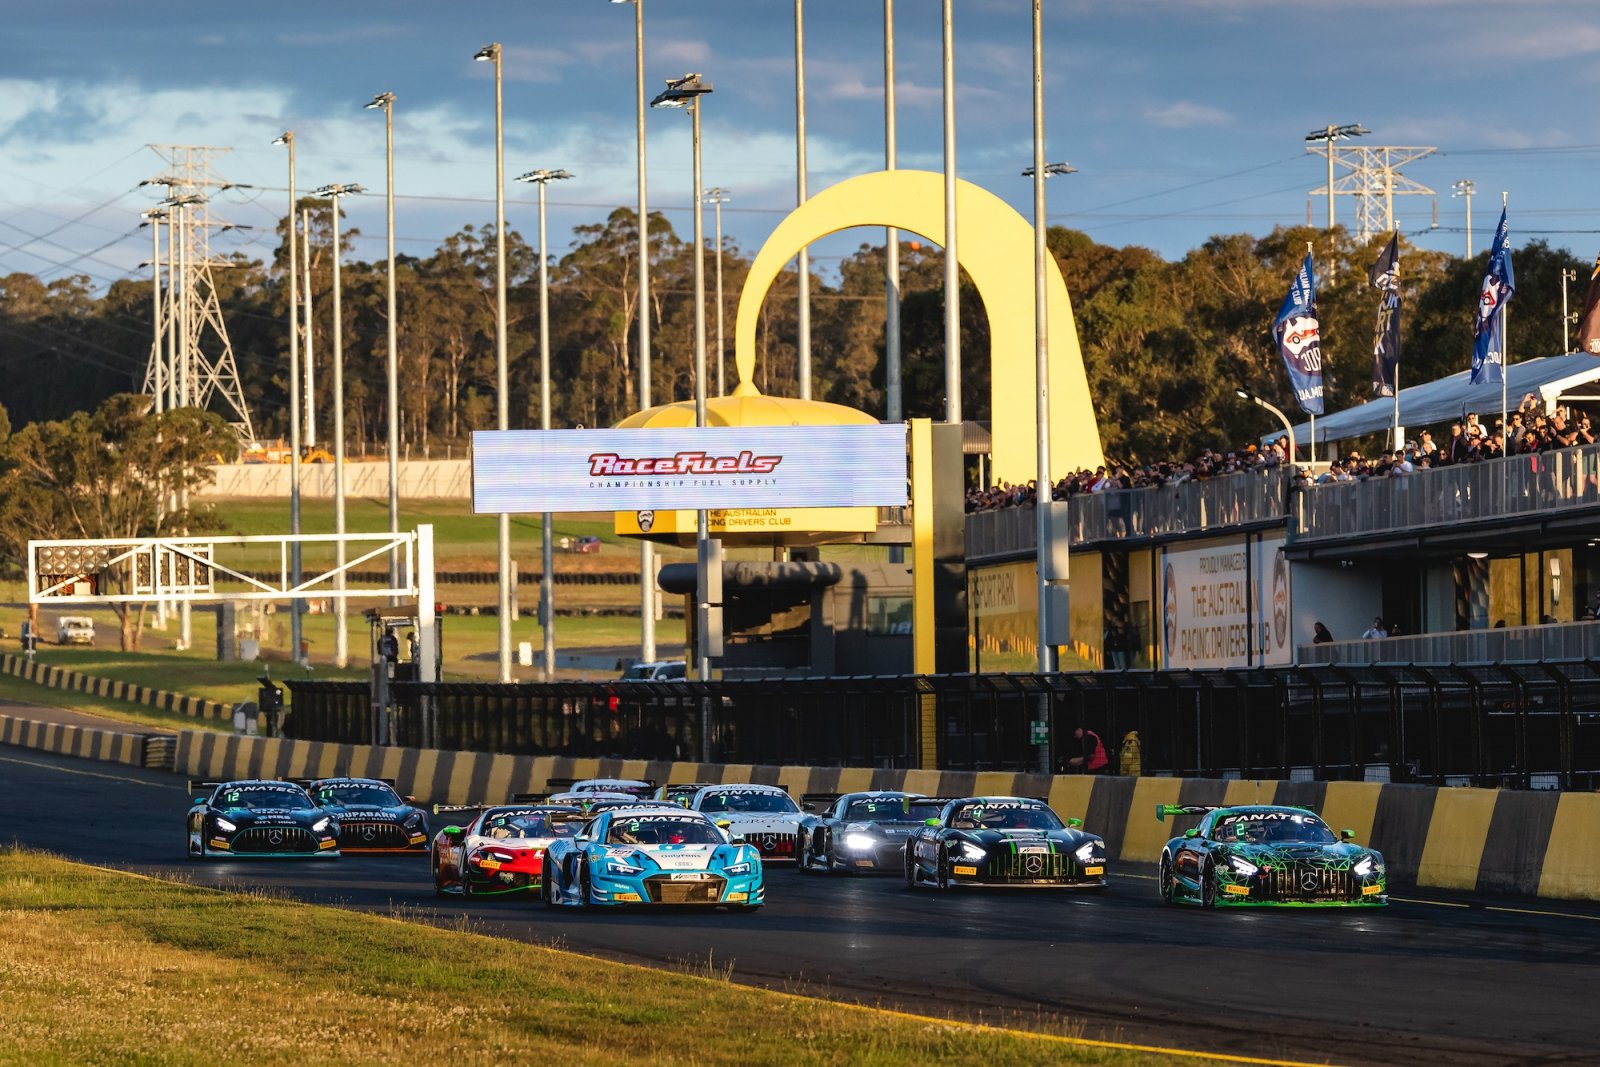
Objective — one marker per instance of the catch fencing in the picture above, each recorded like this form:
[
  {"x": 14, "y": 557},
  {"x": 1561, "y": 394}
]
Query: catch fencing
[{"x": 1518, "y": 725}]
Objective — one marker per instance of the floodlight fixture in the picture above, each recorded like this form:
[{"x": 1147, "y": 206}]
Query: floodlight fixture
[
  {"x": 542, "y": 176},
  {"x": 489, "y": 53},
  {"x": 286, "y": 137},
  {"x": 1051, "y": 170},
  {"x": 1338, "y": 133},
  {"x": 682, "y": 92},
  {"x": 338, "y": 189}
]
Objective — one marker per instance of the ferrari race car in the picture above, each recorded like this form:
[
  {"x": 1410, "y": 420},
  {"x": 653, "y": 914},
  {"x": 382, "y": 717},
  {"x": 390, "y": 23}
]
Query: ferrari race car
[
  {"x": 1267, "y": 854},
  {"x": 1004, "y": 841},
  {"x": 764, "y": 815},
  {"x": 861, "y": 831},
  {"x": 372, "y": 816},
  {"x": 653, "y": 855},
  {"x": 501, "y": 850},
  {"x": 258, "y": 818}
]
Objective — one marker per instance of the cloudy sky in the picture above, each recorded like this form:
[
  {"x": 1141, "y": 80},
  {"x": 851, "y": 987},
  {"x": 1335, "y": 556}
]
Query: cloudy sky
[{"x": 1185, "y": 118}]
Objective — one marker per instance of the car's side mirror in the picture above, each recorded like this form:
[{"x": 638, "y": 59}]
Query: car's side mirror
[
  {"x": 409, "y": 799},
  {"x": 451, "y": 832},
  {"x": 930, "y": 822},
  {"x": 1347, "y": 835},
  {"x": 582, "y": 839},
  {"x": 1075, "y": 824},
  {"x": 1191, "y": 833},
  {"x": 723, "y": 824},
  {"x": 199, "y": 800}
]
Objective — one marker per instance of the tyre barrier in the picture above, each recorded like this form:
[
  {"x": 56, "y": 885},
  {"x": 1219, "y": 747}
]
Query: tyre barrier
[
  {"x": 109, "y": 746},
  {"x": 1543, "y": 844},
  {"x": 59, "y": 678}
]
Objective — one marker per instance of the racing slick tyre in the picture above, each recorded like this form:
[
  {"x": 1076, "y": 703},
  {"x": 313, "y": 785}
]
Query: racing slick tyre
[
  {"x": 941, "y": 870},
  {"x": 438, "y": 890},
  {"x": 585, "y": 890},
  {"x": 802, "y": 859},
  {"x": 547, "y": 890},
  {"x": 1208, "y": 886},
  {"x": 912, "y": 881},
  {"x": 1166, "y": 881}
]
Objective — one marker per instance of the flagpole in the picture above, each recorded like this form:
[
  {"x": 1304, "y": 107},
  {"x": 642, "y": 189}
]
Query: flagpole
[
  {"x": 1312, "y": 415},
  {"x": 1505, "y": 356}
]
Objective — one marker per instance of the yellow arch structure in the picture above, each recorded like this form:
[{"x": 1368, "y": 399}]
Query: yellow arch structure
[{"x": 996, "y": 249}]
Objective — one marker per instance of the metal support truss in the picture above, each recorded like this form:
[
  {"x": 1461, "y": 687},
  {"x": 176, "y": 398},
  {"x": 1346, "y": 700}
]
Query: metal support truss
[{"x": 1371, "y": 174}]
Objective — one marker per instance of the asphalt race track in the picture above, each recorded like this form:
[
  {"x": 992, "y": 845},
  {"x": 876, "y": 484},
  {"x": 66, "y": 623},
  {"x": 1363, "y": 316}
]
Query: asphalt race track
[{"x": 1447, "y": 980}]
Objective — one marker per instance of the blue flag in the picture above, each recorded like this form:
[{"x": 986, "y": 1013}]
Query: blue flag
[
  {"x": 1299, "y": 339},
  {"x": 1488, "y": 347}
]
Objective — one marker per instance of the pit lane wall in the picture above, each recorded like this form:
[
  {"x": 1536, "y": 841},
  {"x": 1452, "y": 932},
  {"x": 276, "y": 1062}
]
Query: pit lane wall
[{"x": 1532, "y": 843}]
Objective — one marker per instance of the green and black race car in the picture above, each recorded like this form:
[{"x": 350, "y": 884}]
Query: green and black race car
[{"x": 1267, "y": 854}]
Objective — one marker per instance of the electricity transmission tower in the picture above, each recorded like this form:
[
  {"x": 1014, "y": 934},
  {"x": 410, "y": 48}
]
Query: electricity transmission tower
[
  {"x": 193, "y": 365},
  {"x": 1371, "y": 174}
]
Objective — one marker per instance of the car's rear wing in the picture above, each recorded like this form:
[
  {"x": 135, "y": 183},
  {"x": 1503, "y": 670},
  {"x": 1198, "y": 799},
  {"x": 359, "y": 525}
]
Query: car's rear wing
[
  {"x": 817, "y": 802},
  {"x": 531, "y": 798},
  {"x": 204, "y": 787},
  {"x": 558, "y": 785},
  {"x": 1163, "y": 810},
  {"x": 454, "y": 809},
  {"x": 307, "y": 783}
]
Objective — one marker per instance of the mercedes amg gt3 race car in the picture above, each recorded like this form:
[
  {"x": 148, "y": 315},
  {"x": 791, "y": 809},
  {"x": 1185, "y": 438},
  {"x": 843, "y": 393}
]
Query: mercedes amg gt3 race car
[
  {"x": 1267, "y": 854},
  {"x": 764, "y": 815},
  {"x": 500, "y": 850},
  {"x": 1004, "y": 841},
  {"x": 258, "y": 819},
  {"x": 653, "y": 855},
  {"x": 372, "y": 816},
  {"x": 861, "y": 831}
]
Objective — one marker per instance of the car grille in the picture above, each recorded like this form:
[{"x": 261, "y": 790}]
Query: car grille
[
  {"x": 772, "y": 846},
  {"x": 664, "y": 889},
  {"x": 1031, "y": 867},
  {"x": 275, "y": 839},
  {"x": 370, "y": 834},
  {"x": 1306, "y": 883}
]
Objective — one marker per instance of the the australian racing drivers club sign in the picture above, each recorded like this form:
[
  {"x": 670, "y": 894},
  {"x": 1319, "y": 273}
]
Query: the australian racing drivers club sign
[{"x": 529, "y": 471}]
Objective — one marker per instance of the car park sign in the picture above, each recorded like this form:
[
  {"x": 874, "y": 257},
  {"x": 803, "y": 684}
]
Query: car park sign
[{"x": 661, "y": 469}]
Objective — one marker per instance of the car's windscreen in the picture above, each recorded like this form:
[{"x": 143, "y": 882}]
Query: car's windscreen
[
  {"x": 748, "y": 800},
  {"x": 638, "y": 674},
  {"x": 1003, "y": 817},
  {"x": 633, "y": 789},
  {"x": 508, "y": 824},
  {"x": 1273, "y": 827},
  {"x": 662, "y": 830},
  {"x": 373, "y": 794},
  {"x": 880, "y": 809},
  {"x": 263, "y": 796},
  {"x": 923, "y": 810}
]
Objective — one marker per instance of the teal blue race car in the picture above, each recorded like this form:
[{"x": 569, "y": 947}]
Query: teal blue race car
[
  {"x": 653, "y": 854},
  {"x": 1266, "y": 854}
]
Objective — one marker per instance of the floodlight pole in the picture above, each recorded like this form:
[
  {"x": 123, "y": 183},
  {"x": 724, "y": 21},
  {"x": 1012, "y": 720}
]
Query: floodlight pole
[
  {"x": 1041, "y": 370},
  {"x": 296, "y": 606},
  {"x": 803, "y": 260},
  {"x": 385, "y": 101},
  {"x": 1464, "y": 189},
  {"x": 341, "y": 640},
  {"x": 952, "y": 265},
  {"x": 718, "y": 197},
  {"x": 891, "y": 237},
  {"x": 311, "y": 366}
]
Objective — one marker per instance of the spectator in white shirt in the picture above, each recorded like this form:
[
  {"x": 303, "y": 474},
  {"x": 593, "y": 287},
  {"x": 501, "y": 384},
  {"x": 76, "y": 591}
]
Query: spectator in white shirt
[{"x": 1376, "y": 629}]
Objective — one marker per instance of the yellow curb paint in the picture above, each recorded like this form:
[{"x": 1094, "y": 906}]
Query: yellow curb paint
[
  {"x": 427, "y": 764},
  {"x": 1572, "y": 859},
  {"x": 585, "y": 768},
  {"x": 925, "y": 782},
  {"x": 1351, "y": 806},
  {"x": 390, "y": 768},
  {"x": 1144, "y": 835},
  {"x": 1249, "y": 791},
  {"x": 734, "y": 773},
  {"x": 994, "y": 784},
  {"x": 855, "y": 779},
  {"x": 797, "y": 780},
  {"x": 1457, "y": 832},
  {"x": 499, "y": 785},
  {"x": 1069, "y": 796}
]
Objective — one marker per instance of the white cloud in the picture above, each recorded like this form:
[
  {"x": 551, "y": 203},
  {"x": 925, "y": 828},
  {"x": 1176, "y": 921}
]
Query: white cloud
[{"x": 1185, "y": 114}]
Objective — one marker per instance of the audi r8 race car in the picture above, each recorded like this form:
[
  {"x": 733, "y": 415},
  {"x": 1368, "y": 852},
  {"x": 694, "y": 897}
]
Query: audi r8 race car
[
  {"x": 1004, "y": 841},
  {"x": 501, "y": 850},
  {"x": 1267, "y": 854},
  {"x": 653, "y": 855},
  {"x": 764, "y": 815},
  {"x": 861, "y": 831},
  {"x": 372, "y": 816},
  {"x": 258, "y": 818}
]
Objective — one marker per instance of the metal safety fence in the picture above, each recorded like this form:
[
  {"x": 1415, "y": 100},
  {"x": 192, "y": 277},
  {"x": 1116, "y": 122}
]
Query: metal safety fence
[{"x": 1520, "y": 725}]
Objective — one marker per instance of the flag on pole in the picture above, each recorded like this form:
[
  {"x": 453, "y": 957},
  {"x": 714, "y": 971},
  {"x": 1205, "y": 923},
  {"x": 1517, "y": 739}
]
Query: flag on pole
[
  {"x": 1385, "y": 277},
  {"x": 1589, "y": 317},
  {"x": 1299, "y": 339},
  {"x": 1488, "y": 354}
]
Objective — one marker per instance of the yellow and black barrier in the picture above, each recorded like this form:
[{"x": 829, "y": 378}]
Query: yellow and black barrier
[
  {"x": 1532, "y": 843},
  {"x": 78, "y": 682},
  {"x": 109, "y": 746}
]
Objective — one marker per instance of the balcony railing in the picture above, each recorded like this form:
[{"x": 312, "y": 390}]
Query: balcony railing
[
  {"x": 1138, "y": 514},
  {"x": 1567, "y": 478},
  {"x": 1574, "y": 640}
]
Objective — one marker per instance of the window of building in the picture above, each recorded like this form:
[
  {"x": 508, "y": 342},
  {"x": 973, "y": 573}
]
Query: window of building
[{"x": 888, "y": 615}]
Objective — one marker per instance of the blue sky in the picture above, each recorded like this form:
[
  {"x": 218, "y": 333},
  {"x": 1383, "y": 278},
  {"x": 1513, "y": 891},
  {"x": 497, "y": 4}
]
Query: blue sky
[{"x": 1184, "y": 117}]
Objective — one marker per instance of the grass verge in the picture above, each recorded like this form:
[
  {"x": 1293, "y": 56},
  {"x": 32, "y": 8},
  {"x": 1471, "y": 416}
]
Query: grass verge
[
  {"x": 107, "y": 967},
  {"x": 19, "y": 690}
]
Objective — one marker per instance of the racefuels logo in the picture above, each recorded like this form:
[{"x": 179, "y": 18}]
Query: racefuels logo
[{"x": 612, "y": 465}]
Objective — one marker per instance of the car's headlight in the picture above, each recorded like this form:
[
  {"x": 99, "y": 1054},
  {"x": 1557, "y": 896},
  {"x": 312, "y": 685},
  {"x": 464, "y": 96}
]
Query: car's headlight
[
  {"x": 1364, "y": 868},
  {"x": 971, "y": 851},
  {"x": 630, "y": 866},
  {"x": 414, "y": 819},
  {"x": 1243, "y": 866},
  {"x": 858, "y": 841},
  {"x": 1086, "y": 852},
  {"x": 320, "y": 825},
  {"x": 734, "y": 869},
  {"x": 225, "y": 826}
]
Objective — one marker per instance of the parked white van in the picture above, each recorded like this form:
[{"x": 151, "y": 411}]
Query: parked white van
[{"x": 75, "y": 630}]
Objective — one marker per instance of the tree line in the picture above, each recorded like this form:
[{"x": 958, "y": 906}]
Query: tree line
[{"x": 1165, "y": 343}]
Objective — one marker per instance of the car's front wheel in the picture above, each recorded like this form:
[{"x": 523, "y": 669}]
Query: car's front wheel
[
  {"x": 585, "y": 887},
  {"x": 941, "y": 870},
  {"x": 1208, "y": 886},
  {"x": 802, "y": 858},
  {"x": 1166, "y": 881},
  {"x": 912, "y": 880}
]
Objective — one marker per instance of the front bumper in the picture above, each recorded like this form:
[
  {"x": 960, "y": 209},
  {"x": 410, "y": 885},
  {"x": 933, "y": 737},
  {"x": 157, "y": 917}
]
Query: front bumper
[{"x": 678, "y": 888}]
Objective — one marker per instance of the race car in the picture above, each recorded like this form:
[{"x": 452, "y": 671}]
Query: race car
[
  {"x": 680, "y": 793},
  {"x": 764, "y": 815},
  {"x": 653, "y": 855},
  {"x": 258, "y": 819},
  {"x": 584, "y": 800},
  {"x": 1267, "y": 854},
  {"x": 861, "y": 831},
  {"x": 1004, "y": 841},
  {"x": 638, "y": 788},
  {"x": 372, "y": 816},
  {"x": 500, "y": 850}
]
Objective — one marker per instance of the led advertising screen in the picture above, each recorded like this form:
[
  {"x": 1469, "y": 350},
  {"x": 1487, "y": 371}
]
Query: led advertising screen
[{"x": 531, "y": 471}]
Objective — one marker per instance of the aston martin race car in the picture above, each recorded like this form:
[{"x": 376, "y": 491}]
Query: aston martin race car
[
  {"x": 500, "y": 850},
  {"x": 1267, "y": 854},
  {"x": 258, "y": 819},
  {"x": 861, "y": 831},
  {"x": 764, "y": 815},
  {"x": 651, "y": 855},
  {"x": 1004, "y": 841},
  {"x": 372, "y": 816}
]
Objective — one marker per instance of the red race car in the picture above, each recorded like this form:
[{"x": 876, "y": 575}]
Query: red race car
[{"x": 499, "y": 851}]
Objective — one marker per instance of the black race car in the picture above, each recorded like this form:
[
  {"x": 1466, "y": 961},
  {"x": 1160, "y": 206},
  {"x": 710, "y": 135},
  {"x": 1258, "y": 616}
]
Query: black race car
[
  {"x": 372, "y": 816},
  {"x": 1004, "y": 841},
  {"x": 258, "y": 818},
  {"x": 861, "y": 831}
]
